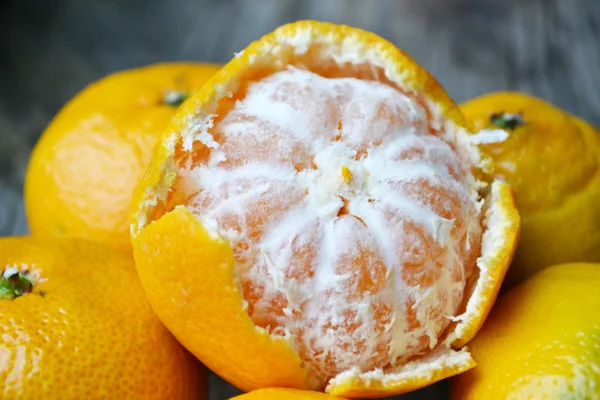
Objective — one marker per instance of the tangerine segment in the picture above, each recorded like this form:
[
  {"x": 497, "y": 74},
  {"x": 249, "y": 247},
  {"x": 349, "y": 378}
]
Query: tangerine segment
[{"x": 371, "y": 269}]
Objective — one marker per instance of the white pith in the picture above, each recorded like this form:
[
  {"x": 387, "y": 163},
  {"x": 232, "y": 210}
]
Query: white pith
[
  {"x": 427, "y": 368},
  {"x": 317, "y": 210}
]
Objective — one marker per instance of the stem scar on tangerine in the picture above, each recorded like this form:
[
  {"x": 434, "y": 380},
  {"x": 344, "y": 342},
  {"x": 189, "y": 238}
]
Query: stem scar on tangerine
[
  {"x": 15, "y": 283},
  {"x": 506, "y": 120}
]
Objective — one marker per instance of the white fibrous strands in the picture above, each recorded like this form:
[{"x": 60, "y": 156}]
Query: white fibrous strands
[{"x": 354, "y": 227}]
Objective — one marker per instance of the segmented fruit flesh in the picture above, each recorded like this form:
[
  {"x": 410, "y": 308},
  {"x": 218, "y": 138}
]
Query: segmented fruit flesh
[{"x": 354, "y": 226}]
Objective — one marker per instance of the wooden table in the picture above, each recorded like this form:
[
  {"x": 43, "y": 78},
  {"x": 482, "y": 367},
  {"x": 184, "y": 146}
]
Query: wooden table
[{"x": 50, "y": 49}]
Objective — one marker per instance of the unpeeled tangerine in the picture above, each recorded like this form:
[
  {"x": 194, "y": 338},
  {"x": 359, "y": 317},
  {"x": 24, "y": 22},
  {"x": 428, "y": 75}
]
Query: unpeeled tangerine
[{"x": 354, "y": 229}]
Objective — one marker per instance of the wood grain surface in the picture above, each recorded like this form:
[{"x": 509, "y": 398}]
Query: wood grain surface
[{"x": 51, "y": 49}]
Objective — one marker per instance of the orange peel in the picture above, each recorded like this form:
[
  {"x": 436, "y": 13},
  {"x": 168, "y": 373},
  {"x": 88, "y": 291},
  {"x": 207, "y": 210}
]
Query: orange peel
[
  {"x": 204, "y": 305},
  {"x": 551, "y": 159},
  {"x": 87, "y": 162},
  {"x": 288, "y": 394}
]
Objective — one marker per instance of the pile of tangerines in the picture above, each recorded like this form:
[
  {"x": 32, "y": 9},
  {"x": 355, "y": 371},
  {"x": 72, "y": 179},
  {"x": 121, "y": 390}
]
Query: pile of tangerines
[{"x": 314, "y": 219}]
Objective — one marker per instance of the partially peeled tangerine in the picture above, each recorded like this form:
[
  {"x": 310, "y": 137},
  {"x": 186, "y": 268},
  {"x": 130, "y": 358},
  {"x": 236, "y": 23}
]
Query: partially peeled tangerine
[{"x": 318, "y": 212}]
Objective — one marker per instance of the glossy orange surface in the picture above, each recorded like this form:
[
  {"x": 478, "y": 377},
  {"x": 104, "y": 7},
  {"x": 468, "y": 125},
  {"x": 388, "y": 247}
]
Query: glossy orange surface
[
  {"x": 84, "y": 168},
  {"x": 86, "y": 331}
]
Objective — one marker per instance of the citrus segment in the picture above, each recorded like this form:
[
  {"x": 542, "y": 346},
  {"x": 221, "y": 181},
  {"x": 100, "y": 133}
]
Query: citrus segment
[
  {"x": 349, "y": 201},
  {"x": 345, "y": 270}
]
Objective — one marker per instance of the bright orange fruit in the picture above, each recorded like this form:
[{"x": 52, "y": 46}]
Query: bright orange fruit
[
  {"x": 315, "y": 213},
  {"x": 75, "y": 324},
  {"x": 87, "y": 162},
  {"x": 552, "y": 161}
]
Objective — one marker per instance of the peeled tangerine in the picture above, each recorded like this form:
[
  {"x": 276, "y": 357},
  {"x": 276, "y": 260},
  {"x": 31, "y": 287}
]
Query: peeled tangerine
[{"x": 317, "y": 217}]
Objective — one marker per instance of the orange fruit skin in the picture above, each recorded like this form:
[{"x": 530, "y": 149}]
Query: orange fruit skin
[
  {"x": 541, "y": 340},
  {"x": 552, "y": 161},
  {"x": 189, "y": 275},
  {"x": 291, "y": 394},
  {"x": 92, "y": 334},
  {"x": 84, "y": 167}
]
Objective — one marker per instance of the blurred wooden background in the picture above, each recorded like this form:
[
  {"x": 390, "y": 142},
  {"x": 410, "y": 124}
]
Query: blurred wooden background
[{"x": 51, "y": 49}]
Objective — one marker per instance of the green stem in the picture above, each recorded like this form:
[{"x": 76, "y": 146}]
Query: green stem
[
  {"x": 175, "y": 98},
  {"x": 15, "y": 283},
  {"x": 507, "y": 120}
]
